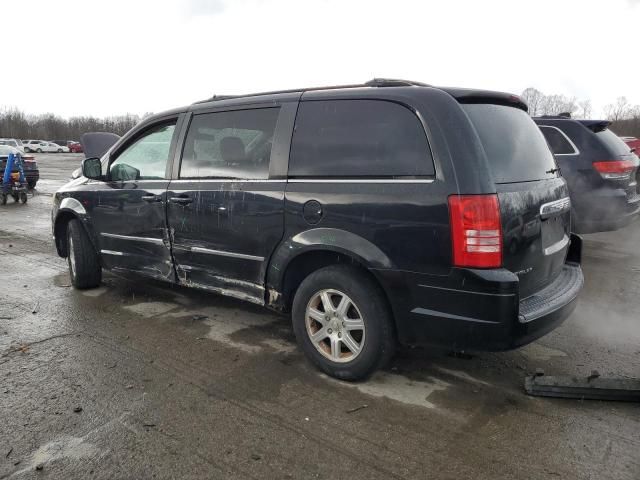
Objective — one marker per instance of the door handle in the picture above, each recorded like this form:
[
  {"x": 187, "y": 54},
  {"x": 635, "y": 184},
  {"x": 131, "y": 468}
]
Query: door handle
[
  {"x": 181, "y": 200},
  {"x": 151, "y": 198}
]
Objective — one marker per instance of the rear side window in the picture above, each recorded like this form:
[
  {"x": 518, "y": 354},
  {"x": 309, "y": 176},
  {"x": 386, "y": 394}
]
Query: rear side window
[
  {"x": 514, "y": 145},
  {"x": 557, "y": 140},
  {"x": 235, "y": 144},
  {"x": 358, "y": 138},
  {"x": 613, "y": 142}
]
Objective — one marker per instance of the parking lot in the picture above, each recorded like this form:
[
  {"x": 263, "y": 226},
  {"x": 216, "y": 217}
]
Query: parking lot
[{"x": 138, "y": 379}]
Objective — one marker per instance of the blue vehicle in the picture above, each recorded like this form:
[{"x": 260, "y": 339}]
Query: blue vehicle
[{"x": 14, "y": 182}]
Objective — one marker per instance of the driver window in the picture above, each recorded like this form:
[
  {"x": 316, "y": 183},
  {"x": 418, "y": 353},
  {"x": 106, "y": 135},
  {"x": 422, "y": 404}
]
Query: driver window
[{"x": 146, "y": 158}]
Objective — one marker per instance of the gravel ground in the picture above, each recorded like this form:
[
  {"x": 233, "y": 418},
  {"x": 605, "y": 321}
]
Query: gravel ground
[{"x": 138, "y": 379}]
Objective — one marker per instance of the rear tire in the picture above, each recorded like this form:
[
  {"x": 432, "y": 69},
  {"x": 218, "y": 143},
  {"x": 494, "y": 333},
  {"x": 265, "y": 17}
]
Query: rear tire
[
  {"x": 84, "y": 264},
  {"x": 23, "y": 197},
  {"x": 346, "y": 344},
  {"x": 39, "y": 150},
  {"x": 3, "y": 199}
]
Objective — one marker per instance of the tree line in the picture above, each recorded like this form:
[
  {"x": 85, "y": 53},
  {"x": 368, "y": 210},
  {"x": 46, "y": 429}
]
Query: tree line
[
  {"x": 47, "y": 126},
  {"x": 14, "y": 123},
  {"x": 624, "y": 117}
]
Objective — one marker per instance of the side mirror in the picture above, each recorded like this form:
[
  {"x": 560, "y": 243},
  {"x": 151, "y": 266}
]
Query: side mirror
[{"x": 92, "y": 168}]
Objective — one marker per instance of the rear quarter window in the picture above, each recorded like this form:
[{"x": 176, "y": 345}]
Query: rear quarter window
[
  {"x": 358, "y": 138},
  {"x": 558, "y": 142},
  {"x": 514, "y": 145}
]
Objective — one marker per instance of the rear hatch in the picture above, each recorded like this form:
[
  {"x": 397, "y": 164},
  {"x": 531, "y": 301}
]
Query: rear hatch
[{"x": 533, "y": 198}]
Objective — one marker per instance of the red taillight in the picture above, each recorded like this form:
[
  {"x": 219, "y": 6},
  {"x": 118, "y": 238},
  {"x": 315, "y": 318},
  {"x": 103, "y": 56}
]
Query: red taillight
[
  {"x": 614, "y": 169},
  {"x": 476, "y": 233}
]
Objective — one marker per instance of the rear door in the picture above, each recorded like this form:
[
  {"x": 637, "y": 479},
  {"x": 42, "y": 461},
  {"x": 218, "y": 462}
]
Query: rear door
[
  {"x": 225, "y": 208},
  {"x": 534, "y": 199},
  {"x": 129, "y": 211}
]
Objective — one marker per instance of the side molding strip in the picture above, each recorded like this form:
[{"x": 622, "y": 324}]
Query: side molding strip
[{"x": 157, "y": 241}]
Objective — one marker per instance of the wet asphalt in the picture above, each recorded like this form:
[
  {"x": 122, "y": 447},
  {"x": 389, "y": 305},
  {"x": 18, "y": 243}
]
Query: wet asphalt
[{"x": 139, "y": 379}]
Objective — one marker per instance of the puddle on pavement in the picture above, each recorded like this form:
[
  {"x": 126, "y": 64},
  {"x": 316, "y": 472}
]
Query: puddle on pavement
[
  {"x": 151, "y": 309},
  {"x": 400, "y": 388},
  {"x": 94, "y": 292},
  {"x": 537, "y": 351},
  {"x": 62, "y": 280}
]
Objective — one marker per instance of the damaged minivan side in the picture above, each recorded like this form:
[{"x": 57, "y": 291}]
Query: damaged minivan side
[{"x": 376, "y": 214}]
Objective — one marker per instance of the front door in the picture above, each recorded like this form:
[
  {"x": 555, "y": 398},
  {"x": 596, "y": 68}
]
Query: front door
[
  {"x": 129, "y": 215},
  {"x": 225, "y": 211}
]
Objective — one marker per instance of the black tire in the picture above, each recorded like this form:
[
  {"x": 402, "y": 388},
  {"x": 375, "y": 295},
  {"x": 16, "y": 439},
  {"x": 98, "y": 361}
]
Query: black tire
[
  {"x": 27, "y": 150},
  {"x": 59, "y": 150},
  {"x": 378, "y": 344},
  {"x": 83, "y": 261},
  {"x": 23, "y": 197},
  {"x": 39, "y": 150},
  {"x": 3, "y": 199}
]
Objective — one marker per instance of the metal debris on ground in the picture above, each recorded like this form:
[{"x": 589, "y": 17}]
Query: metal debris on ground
[
  {"x": 353, "y": 410},
  {"x": 593, "y": 387}
]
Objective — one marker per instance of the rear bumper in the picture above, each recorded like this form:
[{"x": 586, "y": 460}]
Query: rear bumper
[
  {"x": 481, "y": 309},
  {"x": 604, "y": 210}
]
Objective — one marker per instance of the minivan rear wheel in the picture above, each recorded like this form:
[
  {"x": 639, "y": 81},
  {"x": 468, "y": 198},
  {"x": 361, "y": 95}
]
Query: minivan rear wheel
[
  {"x": 342, "y": 322},
  {"x": 84, "y": 264}
]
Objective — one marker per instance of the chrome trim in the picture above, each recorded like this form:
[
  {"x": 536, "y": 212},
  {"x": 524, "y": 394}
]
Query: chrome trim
[
  {"x": 72, "y": 204},
  {"x": 556, "y": 247},
  {"x": 361, "y": 180},
  {"x": 573, "y": 145},
  {"x": 554, "y": 208},
  {"x": 221, "y": 253},
  {"x": 227, "y": 180},
  {"x": 157, "y": 241},
  {"x": 435, "y": 313},
  {"x": 111, "y": 252}
]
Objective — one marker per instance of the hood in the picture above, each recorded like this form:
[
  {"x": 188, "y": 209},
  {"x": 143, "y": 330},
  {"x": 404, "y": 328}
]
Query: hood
[{"x": 96, "y": 144}]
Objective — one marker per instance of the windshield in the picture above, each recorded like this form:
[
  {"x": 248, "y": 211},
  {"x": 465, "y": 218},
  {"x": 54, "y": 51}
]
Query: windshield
[
  {"x": 515, "y": 147},
  {"x": 613, "y": 142}
]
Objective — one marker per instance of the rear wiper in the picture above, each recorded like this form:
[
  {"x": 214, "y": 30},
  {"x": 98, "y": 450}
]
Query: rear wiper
[{"x": 553, "y": 170}]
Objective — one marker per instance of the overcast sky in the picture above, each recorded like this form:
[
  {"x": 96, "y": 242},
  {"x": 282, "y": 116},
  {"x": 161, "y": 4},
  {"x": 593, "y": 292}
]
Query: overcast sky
[{"x": 80, "y": 57}]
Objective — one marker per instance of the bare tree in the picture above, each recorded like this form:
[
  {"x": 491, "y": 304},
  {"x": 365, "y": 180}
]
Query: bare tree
[
  {"x": 620, "y": 110},
  {"x": 586, "y": 109},
  {"x": 533, "y": 98}
]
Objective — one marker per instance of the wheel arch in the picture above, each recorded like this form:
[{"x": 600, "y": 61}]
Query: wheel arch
[
  {"x": 309, "y": 251},
  {"x": 61, "y": 223}
]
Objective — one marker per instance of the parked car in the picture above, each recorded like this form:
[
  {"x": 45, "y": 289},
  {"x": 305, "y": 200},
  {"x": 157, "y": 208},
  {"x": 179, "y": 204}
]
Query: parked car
[
  {"x": 31, "y": 172},
  {"x": 633, "y": 142},
  {"x": 76, "y": 147},
  {"x": 40, "y": 146},
  {"x": 12, "y": 142},
  {"x": 600, "y": 170},
  {"x": 372, "y": 213}
]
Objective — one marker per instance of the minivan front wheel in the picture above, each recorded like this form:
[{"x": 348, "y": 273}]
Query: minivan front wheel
[
  {"x": 342, "y": 322},
  {"x": 84, "y": 264}
]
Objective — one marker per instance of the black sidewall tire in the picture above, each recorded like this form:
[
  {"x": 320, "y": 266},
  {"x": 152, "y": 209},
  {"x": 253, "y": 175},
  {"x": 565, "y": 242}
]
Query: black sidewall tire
[
  {"x": 87, "y": 272},
  {"x": 368, "y": 296}
]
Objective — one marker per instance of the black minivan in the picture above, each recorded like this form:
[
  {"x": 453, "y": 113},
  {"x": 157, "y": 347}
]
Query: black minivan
[{"x": 380, "y": 213}]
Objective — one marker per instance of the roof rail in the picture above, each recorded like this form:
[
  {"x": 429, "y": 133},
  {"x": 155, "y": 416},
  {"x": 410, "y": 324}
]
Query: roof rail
[
  {"x": 394, "y": 82},
  {"x": 376, "y": 82}
]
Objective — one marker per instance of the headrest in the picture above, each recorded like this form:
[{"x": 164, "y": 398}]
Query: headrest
[{"x": 232, "y": 150}]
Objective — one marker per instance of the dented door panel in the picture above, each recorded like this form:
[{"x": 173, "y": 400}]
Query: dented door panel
[{"x": 223, "y": 238}]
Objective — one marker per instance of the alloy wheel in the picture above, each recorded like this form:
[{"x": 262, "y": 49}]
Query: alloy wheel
[{"x": 335, "y": 325}]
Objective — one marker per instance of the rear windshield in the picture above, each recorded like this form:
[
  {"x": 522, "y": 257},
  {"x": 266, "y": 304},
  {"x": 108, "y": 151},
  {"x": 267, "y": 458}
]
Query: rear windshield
[
  {"x": 613, "y": 142},
  {"x": 515, "y": 147}
]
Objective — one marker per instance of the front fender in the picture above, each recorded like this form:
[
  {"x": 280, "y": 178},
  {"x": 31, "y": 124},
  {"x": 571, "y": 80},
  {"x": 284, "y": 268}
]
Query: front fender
[
  {"x": 68, "y": 209},
  {"x": 324, "y": 239}
]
